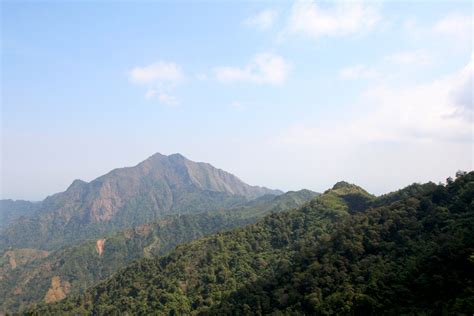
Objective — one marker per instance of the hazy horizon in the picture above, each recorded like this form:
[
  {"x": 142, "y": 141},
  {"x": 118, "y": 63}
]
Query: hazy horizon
[
  {"x": 320, "y": 190},
  {"x": 287, "y": 95}
]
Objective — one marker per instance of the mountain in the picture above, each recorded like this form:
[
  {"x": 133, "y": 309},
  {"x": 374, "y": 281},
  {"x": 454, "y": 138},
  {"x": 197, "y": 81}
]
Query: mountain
[
  {"x": 345, "y": 252},
  {"x": 77, "y": 267},
  {"x": 11, "y": 210},
  {"x": 127, "y": 197}
]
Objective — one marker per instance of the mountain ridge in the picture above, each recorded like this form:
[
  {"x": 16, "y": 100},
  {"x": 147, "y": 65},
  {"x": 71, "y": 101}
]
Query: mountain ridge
[
  {"x": 11, "y": 210},
  {"x": 126, "y": 197}
]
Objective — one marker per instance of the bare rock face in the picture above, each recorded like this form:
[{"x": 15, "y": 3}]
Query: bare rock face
[
  {"x": 11, "y": 261},
  {"x": 57, "y": 291},
  {"x": 99, "y": 246}
]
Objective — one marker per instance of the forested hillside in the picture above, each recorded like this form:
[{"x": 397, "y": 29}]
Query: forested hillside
[
  {"x": 11, "y": 210},
  {"x": 346, "y": 252},
  {"x": 73, "y": 269}
]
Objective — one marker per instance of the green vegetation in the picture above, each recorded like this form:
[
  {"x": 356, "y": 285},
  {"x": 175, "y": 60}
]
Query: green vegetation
[
  {"x": 82, "y": 266},
  {"x": 11, "y": 210},
  {"x": 346, "y": 252}
]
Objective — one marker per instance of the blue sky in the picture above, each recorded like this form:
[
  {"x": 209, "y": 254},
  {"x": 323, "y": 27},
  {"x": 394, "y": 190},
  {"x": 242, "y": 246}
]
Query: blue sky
[{"x": 284, "y": 94}]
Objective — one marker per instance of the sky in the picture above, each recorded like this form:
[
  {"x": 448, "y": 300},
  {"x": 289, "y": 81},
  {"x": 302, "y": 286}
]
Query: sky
[{"x": 284, "y": 94}]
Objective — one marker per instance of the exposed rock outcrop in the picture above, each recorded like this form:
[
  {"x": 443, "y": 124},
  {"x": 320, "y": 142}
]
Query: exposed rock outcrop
[
  {"x": 99, "y": 246},
  {"x": 57, "y": 291}
]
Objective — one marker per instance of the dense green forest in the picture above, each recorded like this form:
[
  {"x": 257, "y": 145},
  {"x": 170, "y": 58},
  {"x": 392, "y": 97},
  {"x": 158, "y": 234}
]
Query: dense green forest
[
  {"x": 78, "y": 267},
  {"x": 345, "y": 252}
]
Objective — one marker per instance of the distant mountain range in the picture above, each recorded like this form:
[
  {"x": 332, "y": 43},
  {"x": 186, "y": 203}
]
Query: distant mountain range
[
  {"x": 11, "y": 211},
  {"x": 126, "y": 197}
]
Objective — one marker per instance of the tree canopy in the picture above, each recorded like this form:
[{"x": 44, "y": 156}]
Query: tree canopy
[{"x": 345, "y": 252}]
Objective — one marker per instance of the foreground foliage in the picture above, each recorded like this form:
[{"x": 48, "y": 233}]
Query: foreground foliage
[{"x": 410, "y": 252}]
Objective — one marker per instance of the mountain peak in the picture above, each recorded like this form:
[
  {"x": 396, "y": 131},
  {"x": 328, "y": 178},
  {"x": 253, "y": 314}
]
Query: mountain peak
[
  {"x": 176, "y": 155},
  {"x": 342, "y": 184},
  {"x": 161, "y": 157},
  {"x": 160, "y": 185},
  {"x": 346, "y": 196},
  {"x": 77, "y": 183},
  {"x": 201, "y": 175},
  {"x": 346, "y": 187},
  {"x": 156, "y": 156}
]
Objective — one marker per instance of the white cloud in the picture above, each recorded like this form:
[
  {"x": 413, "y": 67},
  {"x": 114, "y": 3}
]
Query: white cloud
[
  {"x": 399, "y": 136},
  {"x": 462, "y": 94},
  {"x": 455, "y": 24},
  {"x": 150, "y": 94},
  {"x": 359, "y": 72},
  {"x": 162, "y": 97},
  {"x": 402, "y": 58},
  {"x": 167, "y": 99},
  {"x": 265, "y": 68},
  {"x": 264, "y": 20},
  {"x": 415, "y": 57},
  {"x": 436, "y": 112},
  {"x": 160, "y": 79},
  {"x": 157, "y": 72},
  {"x": 453, "y": 33},
  {"x": 342, "y": 19}
]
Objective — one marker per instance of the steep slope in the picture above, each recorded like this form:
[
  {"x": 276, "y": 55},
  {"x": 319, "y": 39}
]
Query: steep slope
[
  {"x": 411, "y": 255},
  {"x": 16, "y": 258},
  {"x": 83, "y": 265},
  {"x": 126, "y": 197},
  {"x": 11, "y": 210}
]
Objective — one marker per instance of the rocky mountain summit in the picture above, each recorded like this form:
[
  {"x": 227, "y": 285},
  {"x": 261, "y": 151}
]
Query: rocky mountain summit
[{"x": 125, "y": 197}]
